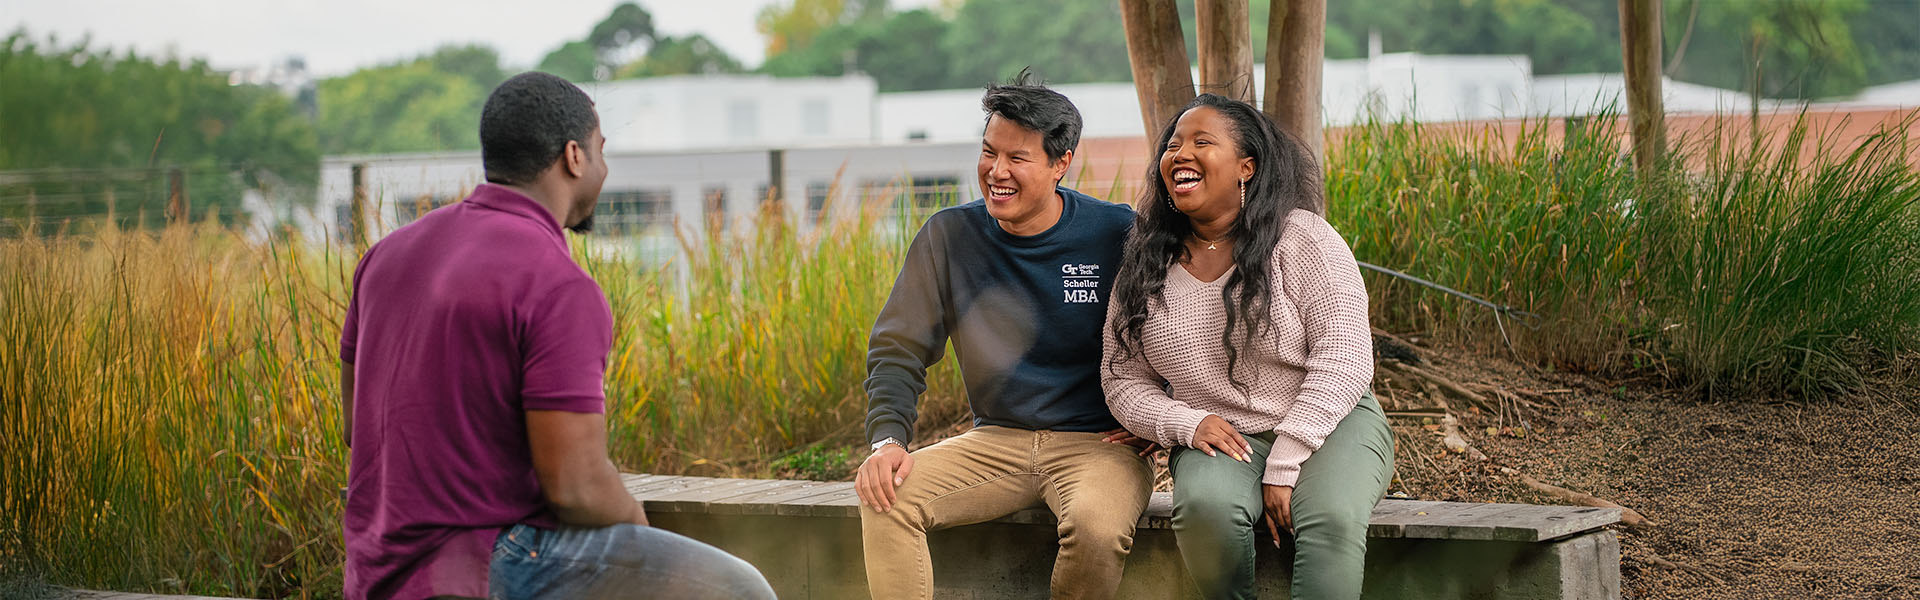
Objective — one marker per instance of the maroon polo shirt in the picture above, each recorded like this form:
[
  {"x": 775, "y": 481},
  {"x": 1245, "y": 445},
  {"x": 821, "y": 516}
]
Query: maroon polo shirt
[{"x": 459, "y": 323}]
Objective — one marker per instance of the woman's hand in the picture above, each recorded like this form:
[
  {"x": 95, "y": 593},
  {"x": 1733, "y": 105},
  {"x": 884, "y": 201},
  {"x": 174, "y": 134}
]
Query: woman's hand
[
  {"x": 1215, "y": 434},
  {"x": 1279, "y": 500},
  {"x": 1127, "y": 438}
]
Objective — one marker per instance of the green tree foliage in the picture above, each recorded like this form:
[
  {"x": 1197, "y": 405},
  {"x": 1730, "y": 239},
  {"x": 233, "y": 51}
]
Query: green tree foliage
[
  {"x": 800, "y": 23},
  {"x": 1806, "y": 48},
  {"x": 605, "y": 50},
  {"x": 1561, "y": 36},
  {"x": 429, "y": 103},
  {"x": 901, "y": 52},
  {"x": 688, "y": 55},
  {"x": 95, "y": 125},
  {"x": 574, "y": 61},
  {"x": 1069, "y": 41},
  {"x": 1789, "y": 48},
  {"x": 1887, "y": 33}
]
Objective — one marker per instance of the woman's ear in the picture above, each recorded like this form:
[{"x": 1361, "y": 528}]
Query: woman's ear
[{"x": 1246, "y": 170}]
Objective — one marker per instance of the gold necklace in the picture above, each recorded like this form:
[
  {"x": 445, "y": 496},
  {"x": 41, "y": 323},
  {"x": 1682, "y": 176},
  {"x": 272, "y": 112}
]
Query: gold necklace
[{"x": 1211, "y": 244}]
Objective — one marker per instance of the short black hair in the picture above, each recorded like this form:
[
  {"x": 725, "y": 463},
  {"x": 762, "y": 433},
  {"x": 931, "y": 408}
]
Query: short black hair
[
  {"x": 526, "y": 125},
  {"x": 1028, "y": 102}
]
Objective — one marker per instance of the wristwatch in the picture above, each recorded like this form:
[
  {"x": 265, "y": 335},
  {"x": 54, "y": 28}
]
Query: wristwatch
[{"x": 890, "y": 440}]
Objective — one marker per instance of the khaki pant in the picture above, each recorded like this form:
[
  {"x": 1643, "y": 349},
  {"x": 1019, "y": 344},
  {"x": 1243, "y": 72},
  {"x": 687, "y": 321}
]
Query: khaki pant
[{"x": 1097, "y": 490}]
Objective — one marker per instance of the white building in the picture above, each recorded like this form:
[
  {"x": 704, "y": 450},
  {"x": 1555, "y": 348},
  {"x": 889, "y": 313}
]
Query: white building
[
  {"x": 1905, "y": 94},
  {"x": 690, "y": 149},
  {"x": 1426, "y": 88},
  {"x": 1570, "y": 95}
]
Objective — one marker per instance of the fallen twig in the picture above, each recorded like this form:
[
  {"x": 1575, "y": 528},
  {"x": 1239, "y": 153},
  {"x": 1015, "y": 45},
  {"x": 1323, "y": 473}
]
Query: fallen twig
[
  {"x": 1674, "y": 566},
  {"x": 1627, "y": 515},
  {"x": 1446, "y": 384}
]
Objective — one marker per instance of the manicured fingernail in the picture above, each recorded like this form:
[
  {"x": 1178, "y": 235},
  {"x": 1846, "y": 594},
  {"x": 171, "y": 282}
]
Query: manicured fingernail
[{"x": 898, "y": 480}]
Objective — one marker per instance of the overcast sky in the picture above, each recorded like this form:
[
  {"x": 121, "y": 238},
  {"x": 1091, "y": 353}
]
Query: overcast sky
[{"x": 338, "y": 36}]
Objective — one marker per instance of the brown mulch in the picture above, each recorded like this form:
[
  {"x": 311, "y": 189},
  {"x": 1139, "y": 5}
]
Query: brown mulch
[{"x": 1750, "y": 498}]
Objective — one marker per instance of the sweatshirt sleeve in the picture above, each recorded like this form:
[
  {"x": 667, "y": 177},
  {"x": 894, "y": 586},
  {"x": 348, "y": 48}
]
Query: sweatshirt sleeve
[
  {"x": 909, "y": 336},
  {"x": 1137, "y": 394},
  {"x": 1322, "y": 278}
]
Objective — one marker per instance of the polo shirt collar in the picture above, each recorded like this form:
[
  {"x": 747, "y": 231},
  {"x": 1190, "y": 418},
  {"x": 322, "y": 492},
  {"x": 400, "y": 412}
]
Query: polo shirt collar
[{"x": 505, "y": 199}]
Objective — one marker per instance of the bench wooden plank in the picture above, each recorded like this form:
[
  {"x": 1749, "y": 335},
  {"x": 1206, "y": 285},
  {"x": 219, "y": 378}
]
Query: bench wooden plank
[
  {"x": 725, "y": 488},
  {"x": 1458, "y": 521},
  {"x": 1391, "y": 518},
  {"x": 1542, "y": 523},
  {"x": 663, "y": 488},
  {"x": 767, "y": 501},
  {"x": 640, "y": 485},
  {"x": 839, "y": 500}
]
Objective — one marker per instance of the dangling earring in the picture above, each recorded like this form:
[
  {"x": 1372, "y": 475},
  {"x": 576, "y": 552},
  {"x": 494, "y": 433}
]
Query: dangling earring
[
  {"x": 1243, "y": 193},
  {"x": 1176, "y": 208}
]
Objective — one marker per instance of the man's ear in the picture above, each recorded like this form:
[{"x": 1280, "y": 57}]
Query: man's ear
[
  {"x": 1060, "y": 166},
  {"x": 575, "y": 159}
]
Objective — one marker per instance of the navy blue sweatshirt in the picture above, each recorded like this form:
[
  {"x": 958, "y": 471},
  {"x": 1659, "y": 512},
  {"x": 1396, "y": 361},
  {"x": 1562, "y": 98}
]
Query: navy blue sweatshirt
[{"x": 1024, "y": 314}]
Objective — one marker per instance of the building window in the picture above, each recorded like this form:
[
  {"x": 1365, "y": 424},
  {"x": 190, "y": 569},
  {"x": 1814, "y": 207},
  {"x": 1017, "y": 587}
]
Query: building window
[
  {"x": 743, "y": 119},
  {"x": 934, "y": 192},
  {"x": 629, "y": 213},
  {"x": 714, "y": 204},
  {"x": 815, "y": 118},
  {"x": 409, "y": 212},
  {"x": 922, "y": 194},
  {"x": 343, "y": 225},
  {"x": 817, "y": 193}
]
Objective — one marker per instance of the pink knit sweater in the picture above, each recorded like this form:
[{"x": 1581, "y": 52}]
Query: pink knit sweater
[{"x": 1303, "y": 375}]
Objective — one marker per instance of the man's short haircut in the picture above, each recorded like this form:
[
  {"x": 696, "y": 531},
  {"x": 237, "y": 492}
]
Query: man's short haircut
[
  {"x": 1029, "y": 103},
  {"x": 527, "y": 122}
]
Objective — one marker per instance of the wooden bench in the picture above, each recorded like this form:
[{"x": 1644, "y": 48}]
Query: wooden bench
[{"x": 805, "y": 536}]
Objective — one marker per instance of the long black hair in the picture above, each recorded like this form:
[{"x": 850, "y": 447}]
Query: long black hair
[{"x": 1285, "y": 177}]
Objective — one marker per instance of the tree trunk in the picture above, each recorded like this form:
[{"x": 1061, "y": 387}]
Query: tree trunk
[
  {"x": 1640, "y": 51},
  {"x": 1158, "y": 53},
  {"x": 1296, "y": 49},
  {"x": 1226, "y": 48}
]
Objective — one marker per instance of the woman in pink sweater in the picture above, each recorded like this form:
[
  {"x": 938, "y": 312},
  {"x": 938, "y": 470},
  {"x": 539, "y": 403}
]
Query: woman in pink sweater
[{"x": 1237, "y": 336}]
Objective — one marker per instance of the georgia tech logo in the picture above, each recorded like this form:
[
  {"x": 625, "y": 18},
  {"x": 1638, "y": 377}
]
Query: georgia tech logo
[{"x": 1080, "y": 283}]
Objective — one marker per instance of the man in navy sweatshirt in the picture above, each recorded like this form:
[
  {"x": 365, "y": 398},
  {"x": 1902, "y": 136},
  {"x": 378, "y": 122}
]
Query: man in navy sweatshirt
[{"x": 1018, "y": 281}]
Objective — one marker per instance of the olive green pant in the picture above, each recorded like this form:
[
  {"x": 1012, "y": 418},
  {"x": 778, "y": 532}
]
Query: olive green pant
[{"x": 1218, "y": 501}]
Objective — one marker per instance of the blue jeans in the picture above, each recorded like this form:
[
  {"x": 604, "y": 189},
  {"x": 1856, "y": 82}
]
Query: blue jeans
[{"x": 618, "y": 561}]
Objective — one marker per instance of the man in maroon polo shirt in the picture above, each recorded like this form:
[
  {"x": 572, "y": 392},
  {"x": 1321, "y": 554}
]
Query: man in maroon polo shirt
[{"x": 474, "y": 350}]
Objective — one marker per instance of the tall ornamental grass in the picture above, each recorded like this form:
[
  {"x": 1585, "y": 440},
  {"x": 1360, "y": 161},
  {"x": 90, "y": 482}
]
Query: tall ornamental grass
[{"x": 1781, "y": 265}]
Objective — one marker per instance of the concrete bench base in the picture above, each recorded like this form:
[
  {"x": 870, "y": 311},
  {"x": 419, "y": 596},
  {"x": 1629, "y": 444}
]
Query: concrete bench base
[{"x": 805, "y": 537}]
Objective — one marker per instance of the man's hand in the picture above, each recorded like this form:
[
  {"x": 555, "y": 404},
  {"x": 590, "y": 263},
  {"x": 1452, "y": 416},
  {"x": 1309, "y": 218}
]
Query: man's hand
[
  {"x": 885, "y": 470},
  {"x": 1279, "y": 500},
  {"x": 1215, "y": 434},
  {"x": 1122, "y": 436},
  {"x": 639, "y": 516}
]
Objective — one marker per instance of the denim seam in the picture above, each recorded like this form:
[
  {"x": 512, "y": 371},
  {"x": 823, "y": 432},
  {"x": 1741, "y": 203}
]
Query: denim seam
[{"x": 574, "y": 561}]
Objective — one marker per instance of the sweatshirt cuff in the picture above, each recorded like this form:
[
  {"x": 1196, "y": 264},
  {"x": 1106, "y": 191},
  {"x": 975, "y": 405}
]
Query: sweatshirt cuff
[
  {"x": 1178, "y": 425},
  {"x": 1284, "y": 460},
  {"x": 889, "y": 430}
]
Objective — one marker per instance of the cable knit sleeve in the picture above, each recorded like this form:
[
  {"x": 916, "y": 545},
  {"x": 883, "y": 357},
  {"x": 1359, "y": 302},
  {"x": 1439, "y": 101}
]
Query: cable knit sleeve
[
  {"x": 1320, "y": 275},
  {"x": 1137, "y": 396}
]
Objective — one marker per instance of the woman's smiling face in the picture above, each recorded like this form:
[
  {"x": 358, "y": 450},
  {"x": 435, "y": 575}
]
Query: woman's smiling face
[{"x": 1202, "y": 165}]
